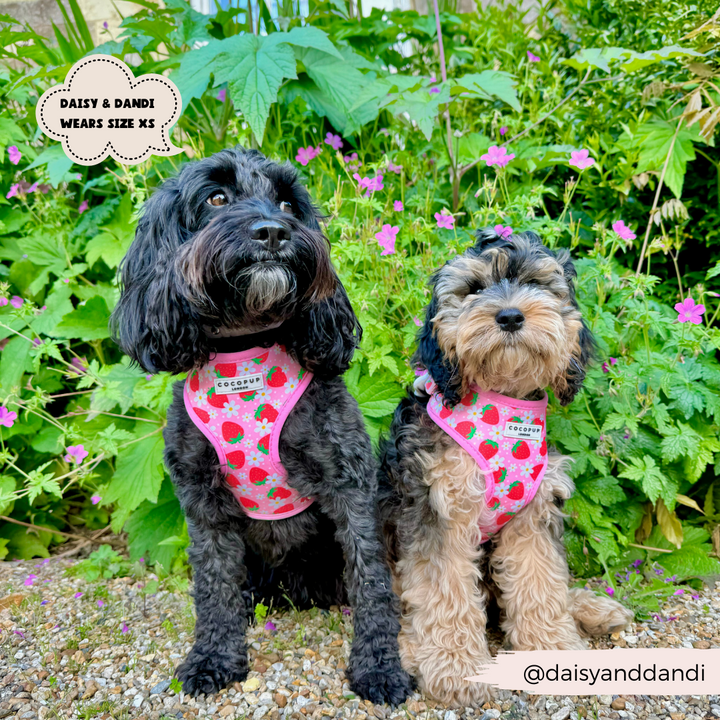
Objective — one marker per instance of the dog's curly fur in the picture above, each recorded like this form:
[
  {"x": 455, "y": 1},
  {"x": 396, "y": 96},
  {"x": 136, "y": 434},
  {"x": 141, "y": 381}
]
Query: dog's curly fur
[
  {"x": 432, "y": 490},
  {"x": 196, "y": 282}
]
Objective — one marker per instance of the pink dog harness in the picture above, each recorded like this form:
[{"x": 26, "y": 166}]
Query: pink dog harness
[
  {"x": 240, "y": 402},
  {"x": 507, "y": 439}
]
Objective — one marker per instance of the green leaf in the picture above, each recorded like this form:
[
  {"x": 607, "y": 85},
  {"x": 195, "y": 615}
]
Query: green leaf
[
  {"x": 86, "y": 322},
  {"x": 627, "y": 60},
  {"x": 310, "y": 37},
  {"x": 118, "y": 386},
  {"x": 14, "y": 362},
  {"x": 7, "y": 494},
  {"x": 647, "y": 475},
  {"x": 690, "y": 561},
  {"x": 421, "y": 106},
  {"x": 152, "y": 523},
  {"x": 23, "y": 543},
  {"x": 112, "y": 244},
  {"x": 193, "y": 75},
  {"x": 254, "y": 68},
  {"x": 58, "y": 163},
  {"x": 490, "y": 84},
  {"x": 637, "y": 61},
  {"x": 375, "y": 396},
  {"x": 653, "y": 139},
  {"x": 604, "y": 490},
  {"x": 138, "y": 477},
  {"x": 57, "y": 306}
]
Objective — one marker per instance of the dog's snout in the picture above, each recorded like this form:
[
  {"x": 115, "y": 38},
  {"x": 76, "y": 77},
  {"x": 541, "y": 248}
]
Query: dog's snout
[
  {"x": 269, "y": 233},
  {"x": 510, "y": 319}
]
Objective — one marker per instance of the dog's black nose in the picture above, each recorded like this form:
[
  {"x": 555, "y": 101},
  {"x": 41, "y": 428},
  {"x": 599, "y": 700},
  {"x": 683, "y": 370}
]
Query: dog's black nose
[
  {"x": 269, "y": 233},
  {"x": 510, "y": 319}
]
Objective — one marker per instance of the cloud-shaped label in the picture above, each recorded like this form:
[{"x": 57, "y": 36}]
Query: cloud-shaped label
[{"x": 101, "y": 110}]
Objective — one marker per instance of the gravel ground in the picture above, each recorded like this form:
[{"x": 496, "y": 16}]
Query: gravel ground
[{"x": 74, "y": 649}]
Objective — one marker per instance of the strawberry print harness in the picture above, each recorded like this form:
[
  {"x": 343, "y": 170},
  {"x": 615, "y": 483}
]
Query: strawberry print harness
[
  {"x": 507, "y": 438},
  {"x": 240, "y": 402}
]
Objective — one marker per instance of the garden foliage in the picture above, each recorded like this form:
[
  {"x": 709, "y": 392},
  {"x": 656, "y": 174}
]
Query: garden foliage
[{"x": 607, "y": 111}]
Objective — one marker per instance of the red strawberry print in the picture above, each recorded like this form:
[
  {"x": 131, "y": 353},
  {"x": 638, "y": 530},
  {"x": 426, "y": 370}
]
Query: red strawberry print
[
  {"x": 246, "y": 396},
  {"x": 445, "y": 412},
  {"x": 226, "y": 369},
  {"x": 466, "y": 429},
  {"x": 264, "y": 445},
  {"x": 258, "y": 476},
  {"x": 520, "y": 450},
  {"x": 488, "y": 448},
  {"x": 279, "y": 493},
  {"x": 232, "y": 432},
  {"x": 499, "y": 475},
  {"x": 249, "y": 504},
  {"x": 284, "y": 509},
  {"x": 491, "y": 416},
  {"x": 260, "y": 360},
  {"x": 233, "y": 481},
  {"x": 276, "y": 377},
  {"x": 216, "y": 400},
  {"x": 469, "y": 399},
  {"x": 504, "y": 518},
  {"x": 195, "y": 381},
  {"x": 517, "y": 491},
  {"x": 494, "y": 504},
  {"x": 202, "y": 415},
  {"x": 536, "y": 471},
  {"x": 543, "y": 448},
  {"x": 266, "y": 412},
  {"x": 236, "y": 459},
  {"x": 538, "y": 421}
]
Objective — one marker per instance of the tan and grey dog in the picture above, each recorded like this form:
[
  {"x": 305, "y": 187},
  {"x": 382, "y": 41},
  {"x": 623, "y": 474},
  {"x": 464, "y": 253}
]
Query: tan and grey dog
[{"x": 503, "y": 318}]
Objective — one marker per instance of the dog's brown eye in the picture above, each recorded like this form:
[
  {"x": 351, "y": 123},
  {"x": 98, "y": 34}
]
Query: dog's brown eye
[
  {"x": 286, "y": 207},
  {"x": 217, "y": 199}
]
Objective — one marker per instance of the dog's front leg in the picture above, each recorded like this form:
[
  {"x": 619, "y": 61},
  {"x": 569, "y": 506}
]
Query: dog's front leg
[
  {"x": 219, "y": 655},
  {"x": 530, "y": 569},
  {"x": 374, "y": 671}
]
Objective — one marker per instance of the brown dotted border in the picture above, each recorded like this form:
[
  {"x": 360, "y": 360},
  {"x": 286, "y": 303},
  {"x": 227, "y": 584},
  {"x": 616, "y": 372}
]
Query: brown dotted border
[{"x": 65, "y": 87}]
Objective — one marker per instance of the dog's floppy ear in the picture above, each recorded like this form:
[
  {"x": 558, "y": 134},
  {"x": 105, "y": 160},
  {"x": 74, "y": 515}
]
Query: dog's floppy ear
[
  {"x": 152, "y": 323},
  {"x": 325, "y": 334},
  {"x": 569, "y": 384},
  {"x": 445, "y": 373}
]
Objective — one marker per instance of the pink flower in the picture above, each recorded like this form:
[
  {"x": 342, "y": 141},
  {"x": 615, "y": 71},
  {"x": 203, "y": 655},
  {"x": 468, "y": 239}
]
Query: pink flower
[
  {"x": 30, "y": 579},
  {"x": 386, "y": 239},
  {"x": 16, "y": 301},
  {"x": 13, "y": 190},
  {"x": 610, "y": 591},
  {"x": 679, "y": 591},
  {"x": 14, "y": 154},
  {"x": 503, "y": 231},
  {"x": 79, "y": 366},
  {"x": 445, "y": 220},
  {"x": 417, "y": 321},
  {"x": 222, "y": 95},
  {"x": 532, "y": 58},
  {"x": 105, "y": 25},
  {"x": 7, "y": 417},
  {"x": 305, "y": 155},
  {"x": 497, "y": 156},
  {"x": 606, "y": 367},
  {"x": 581, "y": 159},
  {"x": 398, "y": 206},
  {"x": 370, "y": 184},
  {"x": 397, "y": 169},
  {"x": 124, "y": 628},
  {"x": 77, "y": 595},
  {"x": 37, "y": 342},
  {"x": 352, "y": 161},
  {"x": 3, "y": 302},
  {"x": 101, "y": 603},
  {"x": 434, "y": 90},
  {"x": 503, "y": 129},
  {"x": 270, "y": 625},
  {"x": 77, "y": 453},
  {"x": 95, "y": 499},
  {"x": 688, "y": 311},
  {"x": 623, "y": 230},
  {"x": 333, "y": 141},
  {"x": 83, "y": 207}
]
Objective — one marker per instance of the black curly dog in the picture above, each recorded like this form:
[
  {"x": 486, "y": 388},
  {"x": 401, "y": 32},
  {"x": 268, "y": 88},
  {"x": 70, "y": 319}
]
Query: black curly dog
[{"x": 229, "y": 255}]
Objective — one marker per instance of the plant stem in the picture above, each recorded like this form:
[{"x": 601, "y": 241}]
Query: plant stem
[
  {"x": 41, "y": 528},
  {"x": 657, "y": 197}
]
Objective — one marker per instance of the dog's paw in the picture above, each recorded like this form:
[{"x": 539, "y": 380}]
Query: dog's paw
[
  {"x": 206, "y": 674},
  {"x": 392, "y": 685}
]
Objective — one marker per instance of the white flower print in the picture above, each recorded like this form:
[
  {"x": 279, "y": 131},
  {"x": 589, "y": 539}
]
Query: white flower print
[
  {"x": 474, "y": 414},
  {"x": 199, "y": 397},
  {"x": 263, "y": 395},
  {"x": 248, "y": 417},
  {"x": 277, "y": 404},
  {"x": 276, "y": 503},
  {"x": 512, "y": 468},
  {"x": 517, "y": 506},
  {"x": 526, "y": 469},
  {"x": 246, "y": 366},
  {"x": 452, "y": 421},
  {"x": 254, "y": 457},
  {"x": 526, "y": 416},
  {"x": 538, "y": 458},
  {"x": 245, "y": 490},
  {"x": 273, "y": 480},
  {"x": 290, "y": 385},
  {"x": 230, "y": 408},
  {"x": 263, "y": 426},
  {"x": 497, "y": 462},
  {"x": 504, "y": 411},
  {"x": 495, "y": 434},
  {"x": 285, "y": 368},
  {"x": 248, "y": 442},
  {"x": 506, "y": 446},
  {"x": 502, "y": 491},
  {"x": 212, "y": 414}
]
